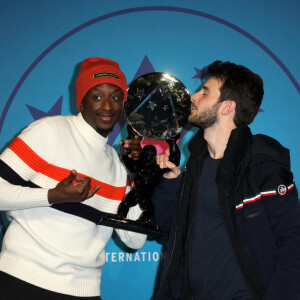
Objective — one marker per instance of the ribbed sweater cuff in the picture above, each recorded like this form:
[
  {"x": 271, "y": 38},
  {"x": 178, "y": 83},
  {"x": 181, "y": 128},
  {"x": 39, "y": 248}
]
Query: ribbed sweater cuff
[{"x": 39, "y": 198}]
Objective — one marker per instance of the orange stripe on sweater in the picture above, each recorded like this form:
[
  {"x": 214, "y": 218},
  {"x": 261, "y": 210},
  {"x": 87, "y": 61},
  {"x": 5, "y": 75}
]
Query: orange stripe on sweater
[
  {"x": 29, "y": 157},
  {"x": 39, "y": 165}
]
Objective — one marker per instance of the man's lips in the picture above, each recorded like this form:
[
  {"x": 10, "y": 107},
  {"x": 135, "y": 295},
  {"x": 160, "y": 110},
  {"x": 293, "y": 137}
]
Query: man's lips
[{"x": 106, "y": 118}]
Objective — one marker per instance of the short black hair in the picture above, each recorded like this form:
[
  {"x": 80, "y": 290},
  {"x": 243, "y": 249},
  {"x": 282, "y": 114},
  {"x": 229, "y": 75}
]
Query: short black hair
[{"x": 240, "y": 85}]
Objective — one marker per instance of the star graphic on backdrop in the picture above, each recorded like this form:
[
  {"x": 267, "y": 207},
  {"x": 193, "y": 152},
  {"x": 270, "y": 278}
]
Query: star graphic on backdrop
[
  {"x": 54, "y": 110},
  {"x": 199, "y": 73},
  {"x": 144, "y": 68}
]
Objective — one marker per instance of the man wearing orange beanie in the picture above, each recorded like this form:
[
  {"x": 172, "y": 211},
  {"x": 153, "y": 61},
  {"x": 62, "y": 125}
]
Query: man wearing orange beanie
[{"x": 56, "y": 162}]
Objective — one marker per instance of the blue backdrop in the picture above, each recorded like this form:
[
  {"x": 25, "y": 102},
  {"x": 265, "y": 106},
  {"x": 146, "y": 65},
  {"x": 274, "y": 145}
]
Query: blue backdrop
[{"x": 43, "y": 43}]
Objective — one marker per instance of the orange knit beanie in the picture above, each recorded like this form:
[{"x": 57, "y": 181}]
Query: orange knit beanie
[{"x": 95, "y": 71}]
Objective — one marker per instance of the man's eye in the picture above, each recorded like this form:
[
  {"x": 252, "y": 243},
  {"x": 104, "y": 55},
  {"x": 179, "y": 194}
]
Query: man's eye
[
  {"x": 116, "y": 98},
  {"x": 97, "y": 97}
]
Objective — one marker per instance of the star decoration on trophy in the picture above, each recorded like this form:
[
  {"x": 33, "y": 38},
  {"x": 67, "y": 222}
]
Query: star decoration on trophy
[
  {"x": 139, "y": 94},
  {"x": 151, "y": 105},
  {"x": 165, "y": 107},
  {"x": 161, "y": 89}
]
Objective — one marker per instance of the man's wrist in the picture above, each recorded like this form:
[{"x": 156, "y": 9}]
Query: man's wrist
[{"x": 50, "y": 197}]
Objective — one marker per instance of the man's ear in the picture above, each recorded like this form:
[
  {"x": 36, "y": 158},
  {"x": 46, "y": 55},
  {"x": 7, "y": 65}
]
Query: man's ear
[
  {"x": 81, "y": 106},
  {"x": 228, "y": 107}
]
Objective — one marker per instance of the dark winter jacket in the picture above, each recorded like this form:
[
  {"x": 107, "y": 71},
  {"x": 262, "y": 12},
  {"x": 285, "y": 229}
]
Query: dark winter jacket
[{"x": 260, "y": 206}]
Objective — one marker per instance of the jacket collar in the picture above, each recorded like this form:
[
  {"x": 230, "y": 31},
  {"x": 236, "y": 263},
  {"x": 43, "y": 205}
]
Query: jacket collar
[
  {"x": 234, "y": 151},
  {"x": 198, "y": 144}
]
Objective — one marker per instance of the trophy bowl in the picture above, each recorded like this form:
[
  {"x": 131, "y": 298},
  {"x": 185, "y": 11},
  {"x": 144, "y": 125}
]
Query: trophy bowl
[{"x": 157, "y": 106}]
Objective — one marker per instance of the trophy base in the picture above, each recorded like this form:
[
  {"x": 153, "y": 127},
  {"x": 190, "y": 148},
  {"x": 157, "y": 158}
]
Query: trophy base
[
  {"x": 113, "y": 220},
  {"x": 107, "y": 219}
]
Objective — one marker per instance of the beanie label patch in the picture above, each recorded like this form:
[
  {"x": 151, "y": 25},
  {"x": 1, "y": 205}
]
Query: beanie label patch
[{"x": 106, "y": 74}]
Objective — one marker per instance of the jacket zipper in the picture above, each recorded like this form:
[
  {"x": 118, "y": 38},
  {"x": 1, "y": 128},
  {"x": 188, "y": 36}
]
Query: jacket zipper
[
  {"x": 175, "y": 238},
  {"x": 246, "y": 218},
  {"x": 185, "y": 271}
]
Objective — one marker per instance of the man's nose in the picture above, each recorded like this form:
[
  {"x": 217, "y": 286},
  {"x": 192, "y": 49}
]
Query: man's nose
[
  {"x": 106, "y": 104},
  {"x": 193, "y": 99}
]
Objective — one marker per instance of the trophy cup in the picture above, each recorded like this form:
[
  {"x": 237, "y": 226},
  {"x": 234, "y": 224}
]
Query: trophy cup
[{"x": 157, "y": 108}]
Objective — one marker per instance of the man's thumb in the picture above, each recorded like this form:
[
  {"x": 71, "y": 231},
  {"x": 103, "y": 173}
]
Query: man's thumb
[{"x": 71, "y": 177}]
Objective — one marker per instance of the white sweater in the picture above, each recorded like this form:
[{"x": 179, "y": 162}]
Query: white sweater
[{"x": 44, "y": 246}]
